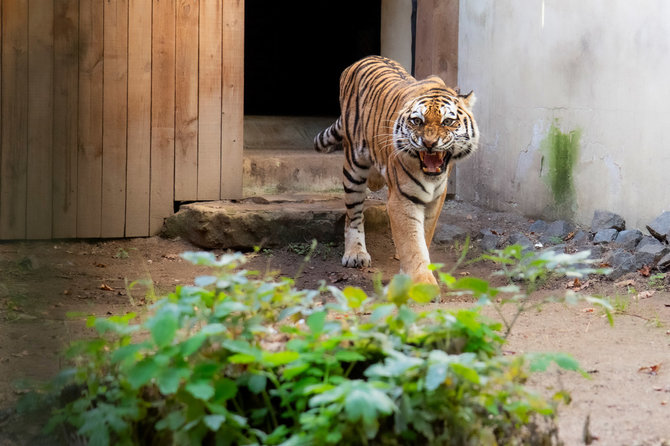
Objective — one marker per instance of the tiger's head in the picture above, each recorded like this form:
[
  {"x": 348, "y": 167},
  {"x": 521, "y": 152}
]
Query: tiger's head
[{"x": 436, "y": 127}]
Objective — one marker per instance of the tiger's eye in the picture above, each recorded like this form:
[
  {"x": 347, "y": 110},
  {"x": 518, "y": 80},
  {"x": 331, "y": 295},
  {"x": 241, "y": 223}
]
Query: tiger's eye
[
  {"x": 415, "y": 121},
  {"x": 448, "y": 122}
]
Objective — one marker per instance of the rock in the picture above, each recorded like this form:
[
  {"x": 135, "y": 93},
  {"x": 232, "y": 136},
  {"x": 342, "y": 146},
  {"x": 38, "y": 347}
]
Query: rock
[
  {"x": 597, "y": 252},
  {"x": 446, "y": 233},
  {"x": 558, "y": 249},
  {"x": 607, "y": 220},
  {"x": 660, "y": 227},
  {"x": 489, "y": 231},
  {"x": 538, "y": 226},
  {"x": 581, "y": 237},
  {"x": 622, "y": 262},
  {"x": 628, "y": 239},
  {"x": 649, "y": 245},
  {"x": 644, "y": 259},
  {"x": 269, "y": 222},
  {"x": 648, "y": 240},
  {"x": 559, "y": 228},
  {"x": 556, "y": 232},
  {"x": 664, "y": 263},
  {"x": 489, "y": 242},
  {"x": 605, "y": 236},
  {"x": 519, "y": 238}
]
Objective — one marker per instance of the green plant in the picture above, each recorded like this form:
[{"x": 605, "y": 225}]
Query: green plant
[
  {"x": 621, "y": 304},
  {"x": 533, "y": 269},
  {"x": 121, "y": 254},
  {"x": 657, "y": 281},
  {"x": 238, "y": 359}
]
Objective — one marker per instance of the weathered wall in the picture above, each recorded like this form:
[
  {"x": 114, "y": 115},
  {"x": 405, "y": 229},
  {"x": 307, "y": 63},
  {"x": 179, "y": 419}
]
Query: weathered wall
[
  {"x": 396, "y": 33},
  {"x": 598, "y": 73}
]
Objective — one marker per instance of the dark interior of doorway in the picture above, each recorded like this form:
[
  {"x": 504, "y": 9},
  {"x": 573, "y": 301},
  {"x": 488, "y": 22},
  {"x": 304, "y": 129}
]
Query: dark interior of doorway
[{"x": 295, "y": 51}]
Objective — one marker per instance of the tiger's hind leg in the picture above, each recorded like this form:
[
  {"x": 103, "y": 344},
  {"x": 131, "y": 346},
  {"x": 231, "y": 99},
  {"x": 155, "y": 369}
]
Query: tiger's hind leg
[{"x": 355, "y": 174}]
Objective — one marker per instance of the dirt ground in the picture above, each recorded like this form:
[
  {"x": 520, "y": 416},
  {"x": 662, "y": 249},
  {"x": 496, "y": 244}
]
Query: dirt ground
[{"x": 627, "y": 396}]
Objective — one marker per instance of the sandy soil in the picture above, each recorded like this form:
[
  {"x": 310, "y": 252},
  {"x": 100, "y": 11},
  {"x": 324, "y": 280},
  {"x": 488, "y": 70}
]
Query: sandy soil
[{"x": 627, "y": 396}]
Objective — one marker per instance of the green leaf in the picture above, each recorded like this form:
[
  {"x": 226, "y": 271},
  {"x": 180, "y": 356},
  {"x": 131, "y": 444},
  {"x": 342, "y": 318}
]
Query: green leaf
[
  {"x": 355, "y": 296},
  {"x": 163, "y": 328},
  {"x": 257, "y": 383},
  {"x": 423, "y": 293},
  {"x": 192, "y": 344},
  {"x": 142, "y": 372},
  {"x": 214, "y": 422},
  {"x": 229, "y": 306},
  {"x": 316, "y": 322},
  {"x": 291, "y": 372},
  {"x": 279, "y": 358},
  {"x": 446, "y": 278},
  {"x": 382, "y": 312},
  {"x": 225, "y": 389},
  {"x": 168, "y": 379},
  {"x": 566, "y": 362},
  {"x": 349, "y": 356},
  {"x": 173, "y": 421},
  {"x": 213, "y": 329},
  {"x": 539, "y": 362},
  {"x": 436, "y": 375},
  {"x": 465, "y": 372},
  {"x": 363, "y": 401},
  {"x": 476, "y": 285},
  {"x": 399, "y": 288},
  {"x": 406, "y": 315},
  {"x": 241, "y": 358},
  {"x": 201, "y": 390},
  {"x": 125, "y": 353}
]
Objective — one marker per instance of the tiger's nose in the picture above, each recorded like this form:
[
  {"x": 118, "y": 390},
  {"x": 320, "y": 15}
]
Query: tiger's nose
[{"x": 429, "y": 143}]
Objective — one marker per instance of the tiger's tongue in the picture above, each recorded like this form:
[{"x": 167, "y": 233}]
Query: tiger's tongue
[{"x": 432, "y": 162}]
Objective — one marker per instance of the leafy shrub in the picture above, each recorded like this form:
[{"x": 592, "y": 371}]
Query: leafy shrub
[{"x": 238, "y": 359}]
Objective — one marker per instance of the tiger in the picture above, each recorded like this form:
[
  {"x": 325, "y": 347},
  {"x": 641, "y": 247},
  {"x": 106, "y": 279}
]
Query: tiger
[{"x": 406, "y": 134}]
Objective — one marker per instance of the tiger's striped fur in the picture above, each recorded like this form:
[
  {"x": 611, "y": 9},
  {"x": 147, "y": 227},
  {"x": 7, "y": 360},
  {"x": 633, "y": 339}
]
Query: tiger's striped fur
[{"x": 404, "y": 133}]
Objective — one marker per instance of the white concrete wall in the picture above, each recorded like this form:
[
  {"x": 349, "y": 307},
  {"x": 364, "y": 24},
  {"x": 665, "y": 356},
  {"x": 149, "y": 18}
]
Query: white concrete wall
[
  {"x": 601, "y": 67},
  {"x": 396, "y": 31}
]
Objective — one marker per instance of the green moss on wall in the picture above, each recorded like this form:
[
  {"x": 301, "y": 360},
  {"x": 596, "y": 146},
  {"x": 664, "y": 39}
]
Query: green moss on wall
[{"x": 560, "y": 151}]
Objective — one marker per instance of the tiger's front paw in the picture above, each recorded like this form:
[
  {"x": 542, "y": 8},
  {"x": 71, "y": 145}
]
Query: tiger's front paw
[
  {"x": 356, "y": 259},
  {"x": 424, "y": 276}
]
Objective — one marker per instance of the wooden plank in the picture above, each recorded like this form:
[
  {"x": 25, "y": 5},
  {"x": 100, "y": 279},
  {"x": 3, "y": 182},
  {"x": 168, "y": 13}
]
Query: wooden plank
[
  {"x": 66, "y": 54},
  {"x": 139, "y": 118},
  {"x": 14, "y": 139},
  {"x": 89, "y": 162},
  {"x": 232, "y": 112},
  {"x": 186, "y": 101},
  {"x": 437, "y": 40},
  {"x": 40, "y": 119},
  {"x": 114, "y": 118},
  {"x": 209, "y": 110},
  {"x": 162, "y": 113}
]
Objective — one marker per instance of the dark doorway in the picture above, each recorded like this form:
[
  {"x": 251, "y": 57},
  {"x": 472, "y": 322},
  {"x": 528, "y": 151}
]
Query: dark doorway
[{"x": 295, "y": 51}]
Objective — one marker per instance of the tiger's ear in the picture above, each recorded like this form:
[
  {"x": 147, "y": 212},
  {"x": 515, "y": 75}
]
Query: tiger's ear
[{"x": 468, "y": 99}]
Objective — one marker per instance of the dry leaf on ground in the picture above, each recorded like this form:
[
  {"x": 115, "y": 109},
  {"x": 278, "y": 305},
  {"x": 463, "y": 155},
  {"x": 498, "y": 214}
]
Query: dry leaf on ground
[
  {"x": 652, "y": 369},
  {"x": 645, "y": 294},
  {"x": 623, "y": 283},
  {"x": 645, "y": 271}
]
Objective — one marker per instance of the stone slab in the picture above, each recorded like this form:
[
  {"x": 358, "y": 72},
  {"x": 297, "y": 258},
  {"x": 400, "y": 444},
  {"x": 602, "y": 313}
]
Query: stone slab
[{"x": 269, "y": 221}]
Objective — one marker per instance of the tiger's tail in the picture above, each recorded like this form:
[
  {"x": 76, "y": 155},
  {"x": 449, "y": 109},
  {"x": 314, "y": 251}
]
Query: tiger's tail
[{"x": 329, "y": 139}]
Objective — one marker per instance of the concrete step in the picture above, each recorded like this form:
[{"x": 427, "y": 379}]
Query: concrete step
[
  {"x": 279, "y": 156},
  {"x": 294, "y": 171},
  {"x": 269, "y": 221}
]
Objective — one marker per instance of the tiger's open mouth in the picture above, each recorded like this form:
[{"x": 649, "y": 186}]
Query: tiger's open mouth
[{"x": 434, "y": 163}]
